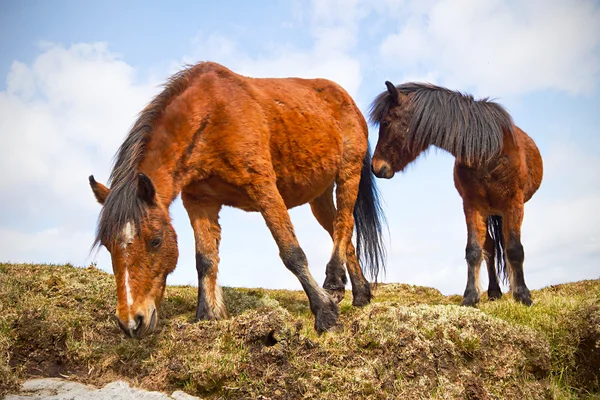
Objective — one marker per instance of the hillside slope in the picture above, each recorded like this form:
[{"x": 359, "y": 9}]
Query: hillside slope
[{"x": 411, "y": 342}]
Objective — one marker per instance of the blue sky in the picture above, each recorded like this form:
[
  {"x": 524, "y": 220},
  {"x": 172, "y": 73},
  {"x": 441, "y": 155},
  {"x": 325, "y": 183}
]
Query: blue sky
[{"x": 75, "y": 74}]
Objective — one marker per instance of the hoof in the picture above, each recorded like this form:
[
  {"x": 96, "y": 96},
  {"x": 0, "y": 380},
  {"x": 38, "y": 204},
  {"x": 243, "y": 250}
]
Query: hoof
[
  {"x": 326, "y": 316},
  {"x": 204, "y": 314},
  {"x": 336, "y": 294},
  {"x": 522, "y": 295},
  {"x": 361, "y": 298},
  {"x": 494, "y": 295},
  {"x": 470, "y": 300}
]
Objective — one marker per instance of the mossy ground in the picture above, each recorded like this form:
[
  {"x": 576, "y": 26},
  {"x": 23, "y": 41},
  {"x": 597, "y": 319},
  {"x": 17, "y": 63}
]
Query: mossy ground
[{"x": 411, "y": 342}]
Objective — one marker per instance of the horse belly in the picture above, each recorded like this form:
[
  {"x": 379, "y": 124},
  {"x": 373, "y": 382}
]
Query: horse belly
[
  {"x": 305, "y": 166},
  {"x": 216, "y": 190}
]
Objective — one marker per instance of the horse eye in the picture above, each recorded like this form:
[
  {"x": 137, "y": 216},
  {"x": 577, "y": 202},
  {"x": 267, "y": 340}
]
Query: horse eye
[
  {"x": 156, "y": 242},
  {"x": 385, "y": 123}
]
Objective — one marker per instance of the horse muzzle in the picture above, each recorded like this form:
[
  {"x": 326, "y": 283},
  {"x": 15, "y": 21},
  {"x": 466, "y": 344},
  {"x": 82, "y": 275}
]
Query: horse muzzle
[
  {"x": 382, "y": 169},
  {"x": 140, "y": 325}
]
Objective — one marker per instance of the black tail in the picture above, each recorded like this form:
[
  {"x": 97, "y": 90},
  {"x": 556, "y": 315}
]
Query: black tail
[
  {"x": 495, "y": 231},
  {"x": 368, "y": 221}
]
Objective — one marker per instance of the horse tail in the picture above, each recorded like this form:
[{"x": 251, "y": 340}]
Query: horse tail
[
  {"x": 495, "y": 231},
  {"x": 368, "y": 221}
]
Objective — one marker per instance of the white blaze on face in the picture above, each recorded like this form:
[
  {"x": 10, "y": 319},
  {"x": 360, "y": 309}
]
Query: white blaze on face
[
  {"x": 128, "y": 289},
  {"x": 128, "y": 235}
]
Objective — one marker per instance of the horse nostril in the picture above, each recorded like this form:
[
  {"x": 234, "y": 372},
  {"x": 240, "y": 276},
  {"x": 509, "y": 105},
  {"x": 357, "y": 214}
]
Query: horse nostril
[
  {"x": 381, "y": 172},
  {"x": 123, "y": 327},
  {"x": 139, "y": 323}
]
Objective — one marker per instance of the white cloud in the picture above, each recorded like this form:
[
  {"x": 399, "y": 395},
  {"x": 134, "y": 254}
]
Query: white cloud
[
  {"x": 67, "y": 112},
  {"x": 499, "y": 47},
  {"x": 61, "y": 119}
]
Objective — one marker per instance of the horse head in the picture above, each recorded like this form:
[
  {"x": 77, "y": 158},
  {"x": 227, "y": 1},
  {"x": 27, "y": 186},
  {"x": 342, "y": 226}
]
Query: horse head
[
  {"x": 394, "y": 151},
  {"x": 136, "y": 229}
]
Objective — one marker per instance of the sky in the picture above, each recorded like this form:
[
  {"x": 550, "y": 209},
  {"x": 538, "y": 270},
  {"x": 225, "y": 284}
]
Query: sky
[{"x": 75, "y": 74}]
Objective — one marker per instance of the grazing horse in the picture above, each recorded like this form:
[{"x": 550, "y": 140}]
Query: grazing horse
[
  {"x": 267, "y": 145},
  {"x": 497, "y": 169}
]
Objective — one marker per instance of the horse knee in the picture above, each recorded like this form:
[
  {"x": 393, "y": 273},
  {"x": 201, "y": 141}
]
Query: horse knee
[
  {"x": 515, "y": 253},
  {"x": 295, "y": 260},
  {"x": 473, "y": 254}
]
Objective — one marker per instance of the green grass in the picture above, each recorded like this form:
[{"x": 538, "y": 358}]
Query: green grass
[{"x": 411, "y": 342}]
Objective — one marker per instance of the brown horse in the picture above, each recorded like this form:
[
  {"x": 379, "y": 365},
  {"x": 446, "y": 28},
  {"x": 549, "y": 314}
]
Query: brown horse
[
  {"x": 267, "y": 145},
  {"x": 498, "y": 168}
]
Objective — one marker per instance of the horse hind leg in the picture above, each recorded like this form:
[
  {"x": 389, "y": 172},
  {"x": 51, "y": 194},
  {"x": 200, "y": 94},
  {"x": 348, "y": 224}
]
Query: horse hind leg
[
  {"x": 515, "y": 254},
  {"x": 269, "y": 202},
  {"x": 344, "y": 252},
  {"x": 207, "y": 233},
  {"x": 335, "y": 276},
  {"x": 335, "y": 281},
  {"x": 494, "y": 291},
  {"x": 476, "y": 230},
  {"x": 361, "y": 289}
]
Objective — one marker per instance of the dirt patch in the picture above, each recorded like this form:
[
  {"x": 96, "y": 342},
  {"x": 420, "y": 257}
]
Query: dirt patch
[{"x": 588, "y": 350}]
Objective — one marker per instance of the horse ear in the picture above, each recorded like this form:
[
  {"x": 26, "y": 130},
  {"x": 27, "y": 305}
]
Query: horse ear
[
  {"x": 393, "y": 91},
  {"x": 145, "y": 189},
  {"x": 100, "y": 191}
]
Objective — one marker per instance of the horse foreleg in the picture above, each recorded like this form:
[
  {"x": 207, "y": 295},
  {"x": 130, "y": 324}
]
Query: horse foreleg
[
  {"x": 515, "y": 255},
  {"x": 207, "y": 233},
  {"x": 272, "y": 207},
  {"x": 476, "y": 232},
  {"x": 494, "y": 291}
]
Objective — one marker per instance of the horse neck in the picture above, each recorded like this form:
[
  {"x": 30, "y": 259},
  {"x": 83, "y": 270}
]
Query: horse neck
[
  {"x": 164, "y": 161},
  {"x": 172, "y": 145}
]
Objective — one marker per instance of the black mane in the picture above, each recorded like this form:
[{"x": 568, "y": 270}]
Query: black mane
[
  {"x": 472, "y": 130},
  {"x": 122, "y": 204}
]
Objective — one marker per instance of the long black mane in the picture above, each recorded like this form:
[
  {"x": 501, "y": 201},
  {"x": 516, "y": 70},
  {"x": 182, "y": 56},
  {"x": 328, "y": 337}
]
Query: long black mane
[
  {"x": 472, "y": 130},
  {"x": 122, "y": 204}
]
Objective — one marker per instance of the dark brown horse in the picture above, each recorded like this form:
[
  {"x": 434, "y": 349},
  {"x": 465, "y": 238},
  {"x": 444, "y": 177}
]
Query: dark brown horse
[
  {"x": 267, "y": 145},
  {"x": 498, "y": 168}
]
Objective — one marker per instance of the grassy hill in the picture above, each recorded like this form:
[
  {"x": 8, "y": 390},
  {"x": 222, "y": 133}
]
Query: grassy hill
[{"x": 411, "y": 342}]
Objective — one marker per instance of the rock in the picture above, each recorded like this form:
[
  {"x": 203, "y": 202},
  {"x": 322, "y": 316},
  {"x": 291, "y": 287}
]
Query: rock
[{"x": 60, "y": 389}]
